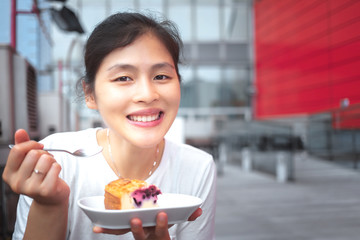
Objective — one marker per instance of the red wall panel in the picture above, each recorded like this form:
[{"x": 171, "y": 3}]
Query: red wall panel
[
  {"x": 347, "y": 118},
  {"x": 307, "y": 56}
]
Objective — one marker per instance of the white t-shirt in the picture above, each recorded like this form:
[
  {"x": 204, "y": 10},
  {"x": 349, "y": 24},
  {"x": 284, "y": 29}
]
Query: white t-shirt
[{"x": 183, "y": 169}]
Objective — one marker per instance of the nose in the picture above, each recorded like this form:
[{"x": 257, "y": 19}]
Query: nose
[{"x": 145, "y": 91}]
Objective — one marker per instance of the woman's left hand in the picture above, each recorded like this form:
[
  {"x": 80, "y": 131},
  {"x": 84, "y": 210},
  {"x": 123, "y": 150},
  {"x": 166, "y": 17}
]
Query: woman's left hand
[{"x": 159, "y": 232}]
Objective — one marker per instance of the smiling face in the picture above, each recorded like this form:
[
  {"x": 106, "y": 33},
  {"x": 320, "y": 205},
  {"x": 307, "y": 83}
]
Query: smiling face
[{"x": 137, "y": 91}]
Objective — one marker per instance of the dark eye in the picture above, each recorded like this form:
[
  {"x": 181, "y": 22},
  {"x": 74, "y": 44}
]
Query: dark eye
[
  {"x": 161, "y": 77},
  {"x": 123, "y": 79}
]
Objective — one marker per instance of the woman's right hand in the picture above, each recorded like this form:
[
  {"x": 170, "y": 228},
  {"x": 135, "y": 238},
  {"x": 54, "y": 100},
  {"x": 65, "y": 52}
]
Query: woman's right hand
[{"x": 44, "y": 187}]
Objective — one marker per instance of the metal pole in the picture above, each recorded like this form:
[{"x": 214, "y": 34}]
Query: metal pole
[{"x": 13, "y": 25}]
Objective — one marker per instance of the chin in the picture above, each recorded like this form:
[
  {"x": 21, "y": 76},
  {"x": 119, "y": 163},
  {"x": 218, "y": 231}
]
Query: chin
[
  {"x": 148, "y": 138},
  {"x": 147, "y": 141}
]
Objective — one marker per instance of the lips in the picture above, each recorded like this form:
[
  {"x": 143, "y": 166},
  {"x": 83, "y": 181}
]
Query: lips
[
  {"x": 148, "y": 118},
  {"x": 145, "y": 116}
]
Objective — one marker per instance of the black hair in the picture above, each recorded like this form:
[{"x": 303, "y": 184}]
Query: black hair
[{"x": 120, "y": 30}]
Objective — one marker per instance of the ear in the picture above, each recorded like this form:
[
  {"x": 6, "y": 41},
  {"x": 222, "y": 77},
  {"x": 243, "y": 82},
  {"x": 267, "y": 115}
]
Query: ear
[
  {"x": 90, "y": 101},
  {"x": 89, "y": 97}
]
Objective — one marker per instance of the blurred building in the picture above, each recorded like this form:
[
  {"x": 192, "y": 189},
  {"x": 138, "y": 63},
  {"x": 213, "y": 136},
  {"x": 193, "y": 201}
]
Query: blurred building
[
  {"x": 260, "y": 75},
  {"x": 25, "y": 66},
  {"x": 255, "y": 72},
  {"x": 307, "y": 57}
]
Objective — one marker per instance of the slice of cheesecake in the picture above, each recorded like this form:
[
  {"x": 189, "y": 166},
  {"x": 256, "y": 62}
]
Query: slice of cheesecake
[{"x": 129, "y": 194}]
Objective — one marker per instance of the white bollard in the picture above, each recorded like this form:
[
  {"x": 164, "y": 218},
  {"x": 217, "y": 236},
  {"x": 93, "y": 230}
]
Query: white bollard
[
  {"x": 246, "y": 162},
  {"x": 222, "y": 157},
  {"x": 282, "y": 166}
]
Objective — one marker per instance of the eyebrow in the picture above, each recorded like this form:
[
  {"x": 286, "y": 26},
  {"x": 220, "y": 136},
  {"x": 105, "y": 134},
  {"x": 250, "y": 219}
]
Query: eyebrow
[
  {"x": 162, "y": 65},
  {"x": 132, "y": 67},
  {"x": 121, "y": 66}
]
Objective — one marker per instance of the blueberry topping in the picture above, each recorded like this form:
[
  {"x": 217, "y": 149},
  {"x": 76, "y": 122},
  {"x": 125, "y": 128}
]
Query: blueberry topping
[
  {"x": 142, "y": 194},
  {"x": 137, "y": 203}
]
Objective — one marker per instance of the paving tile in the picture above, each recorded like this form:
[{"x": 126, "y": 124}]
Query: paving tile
[{"x": 322, "y": 203}]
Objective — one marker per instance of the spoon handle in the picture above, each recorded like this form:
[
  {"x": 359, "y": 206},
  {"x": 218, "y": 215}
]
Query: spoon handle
[{"x": 46, "y": 149}]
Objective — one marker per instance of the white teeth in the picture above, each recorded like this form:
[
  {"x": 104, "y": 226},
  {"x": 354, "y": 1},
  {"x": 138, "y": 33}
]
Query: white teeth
[{"x": 144, "y": 118}]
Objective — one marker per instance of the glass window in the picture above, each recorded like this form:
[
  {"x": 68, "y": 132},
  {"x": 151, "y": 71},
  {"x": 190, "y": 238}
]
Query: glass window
[
  {"x": 4, "y": 21},
  {"x": 155, "y": 6},
  {"x": 207, "y": 19},
  {"x": 120, "y": 5},
  {"x": 209, "y": 74},
  {"x": 24, "y": 5},
  {"x": 28, "y": 32},
  {"x": 187, "y": 73},
  {"x": 213, "y": 86},
  {"x": 236, "y": 20},
  {"x": 208, "y": 80},
  {"x": 200, "y": 89},
  {"x": 236, "y": 84},
  {"x": 180, "y": 13},
  {"x": 188, "y": 89}
]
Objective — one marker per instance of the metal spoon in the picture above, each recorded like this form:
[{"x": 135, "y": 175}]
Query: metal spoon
[{"x": 77, "y": 153}]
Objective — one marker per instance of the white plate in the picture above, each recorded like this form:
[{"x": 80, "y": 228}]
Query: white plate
[{"x": 178, "y": 207}]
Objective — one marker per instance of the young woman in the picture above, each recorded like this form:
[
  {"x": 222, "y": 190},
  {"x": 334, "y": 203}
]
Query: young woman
[{"x": 132, "y": 80}]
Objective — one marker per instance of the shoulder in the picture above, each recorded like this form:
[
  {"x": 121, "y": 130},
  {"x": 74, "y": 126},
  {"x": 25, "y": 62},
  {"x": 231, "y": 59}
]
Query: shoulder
[
  {"x": 189, "y": 155},
  {"x": 191, "y": 170},
  {"x": 187, "y": 150}
]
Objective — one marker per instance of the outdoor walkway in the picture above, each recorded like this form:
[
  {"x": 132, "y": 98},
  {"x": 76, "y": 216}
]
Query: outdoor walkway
[{"x": 323, "y": 203}]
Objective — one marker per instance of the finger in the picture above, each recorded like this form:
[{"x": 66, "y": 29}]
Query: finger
[
  {"x": 51, "y": 178},
  {"x": 28, "y": 164},
  {"x": 97, "y": 229},
  {"x": 42, "y": 166},
  {"x": 47, "y": 188},
  {"x": 195, "y": 214},
  {"x": 17, "y": 177},
  {"x": 21, "y": 136},
  {"x": 137, "y": 229},
  {"x": 19, "y": 152},
  {"x": 31, "y": 162},
  {"x": 44, "y": 163},
  {"x": 22, "y": 146},
  {"x": 26, "y": 180},
  {"x": 161, "y": 229}
]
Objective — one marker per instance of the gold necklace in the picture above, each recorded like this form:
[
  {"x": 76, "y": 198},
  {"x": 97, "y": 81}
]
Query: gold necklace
[{"x": 113, "y": 162}]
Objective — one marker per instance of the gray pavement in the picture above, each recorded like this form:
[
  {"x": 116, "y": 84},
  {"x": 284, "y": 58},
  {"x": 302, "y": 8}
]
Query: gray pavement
[{"x": 323, "y": 203}]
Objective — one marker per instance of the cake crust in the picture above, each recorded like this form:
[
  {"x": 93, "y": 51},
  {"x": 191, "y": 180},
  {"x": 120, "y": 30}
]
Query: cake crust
[{"x": 125, "y": 194}]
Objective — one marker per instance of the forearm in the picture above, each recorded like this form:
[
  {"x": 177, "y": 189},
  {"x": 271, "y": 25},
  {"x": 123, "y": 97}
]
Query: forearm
[{"x": 47, "y": 222}]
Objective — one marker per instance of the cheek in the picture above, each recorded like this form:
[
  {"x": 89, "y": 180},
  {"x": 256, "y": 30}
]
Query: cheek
[
  {"x": 177, "y": 98},
  {"x": 109, "y": 99},
  {"x": 173, "y": 99},
  {"x": 174, "y": 94}
]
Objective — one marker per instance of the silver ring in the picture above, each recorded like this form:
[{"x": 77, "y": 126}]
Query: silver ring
[{"x": 36, "y": 171}]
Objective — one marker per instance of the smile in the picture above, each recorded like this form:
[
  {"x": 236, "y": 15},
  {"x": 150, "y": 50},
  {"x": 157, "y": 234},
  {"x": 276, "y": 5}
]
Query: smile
[{"x": 147, "y": 118}]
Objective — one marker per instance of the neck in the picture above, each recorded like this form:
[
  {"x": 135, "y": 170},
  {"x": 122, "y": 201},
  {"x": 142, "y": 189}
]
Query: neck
[{"x": 130, "y": 161}]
